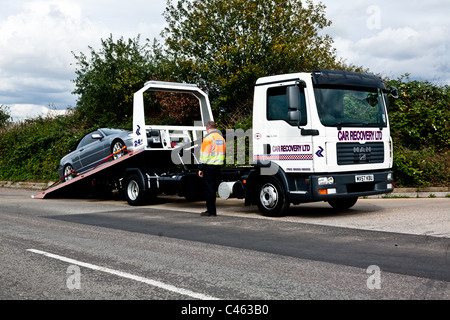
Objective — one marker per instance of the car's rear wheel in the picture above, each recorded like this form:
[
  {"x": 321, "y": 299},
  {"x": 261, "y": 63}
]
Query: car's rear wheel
[
  {"x": 68, "y": 173},
  {"x": 117, "y": 149}
]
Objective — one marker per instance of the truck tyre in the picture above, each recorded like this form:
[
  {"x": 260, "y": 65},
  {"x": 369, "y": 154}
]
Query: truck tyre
[
  {"x": 343, "y": 204},
  {"x": 271, "y": 198},
  {"x": 134, "y": 190}
]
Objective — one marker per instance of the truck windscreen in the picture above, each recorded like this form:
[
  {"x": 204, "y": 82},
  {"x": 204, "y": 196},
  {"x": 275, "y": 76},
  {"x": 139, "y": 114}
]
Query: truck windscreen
[{"x": 350, "y": 107}]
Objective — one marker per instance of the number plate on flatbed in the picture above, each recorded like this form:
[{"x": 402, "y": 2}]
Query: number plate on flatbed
[{"x": 365, "y": 178}]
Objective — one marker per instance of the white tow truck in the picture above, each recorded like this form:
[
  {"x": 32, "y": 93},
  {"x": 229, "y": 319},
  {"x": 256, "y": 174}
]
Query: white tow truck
[{"x": 320, "y": 136}]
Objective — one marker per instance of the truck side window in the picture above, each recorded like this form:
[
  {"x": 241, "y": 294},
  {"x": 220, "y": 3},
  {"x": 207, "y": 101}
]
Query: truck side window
[{"x": 277, "y": 105}]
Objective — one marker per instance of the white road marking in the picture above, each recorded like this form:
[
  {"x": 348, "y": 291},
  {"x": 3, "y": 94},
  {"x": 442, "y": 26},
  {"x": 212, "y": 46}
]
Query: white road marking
[{"x": 151, "y": 282}]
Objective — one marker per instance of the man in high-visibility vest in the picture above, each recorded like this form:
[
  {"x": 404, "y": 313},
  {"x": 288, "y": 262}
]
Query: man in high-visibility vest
[{"x": 212, "y": 157}]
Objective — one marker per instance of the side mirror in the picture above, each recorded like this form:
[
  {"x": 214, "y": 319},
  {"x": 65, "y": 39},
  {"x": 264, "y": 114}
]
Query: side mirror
[
  {"x": 293, "y": 95},
  {"x": 294, "y": 102},
  {"x": 295, "y": 116},
  {"x": 96, "y": 136},
  {"x": 394, "y": 92}
]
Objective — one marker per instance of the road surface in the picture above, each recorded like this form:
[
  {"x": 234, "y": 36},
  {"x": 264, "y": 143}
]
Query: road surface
[{"x": 86, "y": 249}]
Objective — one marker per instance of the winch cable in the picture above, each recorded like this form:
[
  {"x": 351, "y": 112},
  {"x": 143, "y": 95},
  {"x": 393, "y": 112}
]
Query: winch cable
[
  {"x": 73, "y": 173},
  {"x": 124, "y": 149}
]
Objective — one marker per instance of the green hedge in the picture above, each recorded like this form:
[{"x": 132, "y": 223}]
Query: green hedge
[
  {"x": 31, "y": 150},
  {"x": 420, "y": 128}
]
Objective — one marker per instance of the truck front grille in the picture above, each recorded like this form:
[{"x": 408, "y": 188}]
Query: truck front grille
[{"x": 355, "y": 153}]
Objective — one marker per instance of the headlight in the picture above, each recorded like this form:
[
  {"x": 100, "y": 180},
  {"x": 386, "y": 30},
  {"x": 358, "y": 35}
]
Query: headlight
[
  {"x": 325, "y": 181},
  {"x": 390, "y": 176}
]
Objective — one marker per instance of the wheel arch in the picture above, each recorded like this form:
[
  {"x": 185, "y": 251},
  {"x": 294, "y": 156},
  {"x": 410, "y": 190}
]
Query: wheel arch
[
  {"x": 257, "y": 176},
  {"x": 117, "y": 139},
  {"x": 141, "y": 173},
  {"x": 273, "y": 200}
]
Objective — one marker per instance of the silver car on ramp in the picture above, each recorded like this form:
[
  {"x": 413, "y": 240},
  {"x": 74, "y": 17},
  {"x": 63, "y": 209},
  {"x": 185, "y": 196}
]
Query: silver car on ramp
[{"x": 104, "y": 144}]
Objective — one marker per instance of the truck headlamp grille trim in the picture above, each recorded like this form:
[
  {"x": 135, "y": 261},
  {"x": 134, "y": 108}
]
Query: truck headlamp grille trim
[{"x": 325, "y": 181}]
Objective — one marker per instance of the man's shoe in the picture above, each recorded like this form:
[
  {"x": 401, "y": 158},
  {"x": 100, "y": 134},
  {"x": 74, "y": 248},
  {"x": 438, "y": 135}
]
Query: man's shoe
[{"x": 207, "y": 214}]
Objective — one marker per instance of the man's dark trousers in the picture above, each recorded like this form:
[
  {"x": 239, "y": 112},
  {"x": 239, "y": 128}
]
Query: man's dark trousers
[{"x": 211, "y": 181}]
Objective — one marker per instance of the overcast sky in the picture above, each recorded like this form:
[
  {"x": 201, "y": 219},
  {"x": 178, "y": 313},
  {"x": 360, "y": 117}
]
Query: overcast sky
[{"x": 38, "y": 36}]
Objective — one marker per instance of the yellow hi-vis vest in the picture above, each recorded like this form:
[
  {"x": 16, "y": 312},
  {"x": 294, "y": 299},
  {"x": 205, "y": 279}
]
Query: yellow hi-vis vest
[{"x": 213, "y": 149}]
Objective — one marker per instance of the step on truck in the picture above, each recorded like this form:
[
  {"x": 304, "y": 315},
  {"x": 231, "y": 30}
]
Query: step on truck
[{"x": 320, "y": 136}]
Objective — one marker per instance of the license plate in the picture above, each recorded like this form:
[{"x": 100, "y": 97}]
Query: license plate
[{"x": 365, "y": 178}]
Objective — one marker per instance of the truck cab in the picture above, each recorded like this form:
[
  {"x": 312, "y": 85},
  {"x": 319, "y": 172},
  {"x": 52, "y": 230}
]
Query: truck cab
[{"x": 324, "y": 137}]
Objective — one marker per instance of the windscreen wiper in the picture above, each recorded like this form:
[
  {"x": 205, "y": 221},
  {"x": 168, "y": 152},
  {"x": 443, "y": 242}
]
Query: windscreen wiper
[{"x": 339, "y": 125}]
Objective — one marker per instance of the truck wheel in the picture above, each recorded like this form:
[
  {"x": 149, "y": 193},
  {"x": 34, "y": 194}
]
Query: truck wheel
[
  {"x": 343, "y": 204},
  {"x": 272, "y": 200},
  {"x": 134, "y": 190}
]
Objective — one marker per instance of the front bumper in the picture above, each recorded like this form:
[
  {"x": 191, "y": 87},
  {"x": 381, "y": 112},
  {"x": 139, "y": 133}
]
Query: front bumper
[{"x": 346, "y": 185}]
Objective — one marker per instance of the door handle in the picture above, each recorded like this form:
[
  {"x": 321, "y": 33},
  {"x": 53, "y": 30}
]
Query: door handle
[{"x": 310, "y": 132}]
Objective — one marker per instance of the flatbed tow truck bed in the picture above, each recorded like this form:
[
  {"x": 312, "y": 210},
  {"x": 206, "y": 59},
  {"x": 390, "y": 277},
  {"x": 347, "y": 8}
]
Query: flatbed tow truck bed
[
  {"x": 86, "y": 180},
  {"x": 105, "y": 175}
]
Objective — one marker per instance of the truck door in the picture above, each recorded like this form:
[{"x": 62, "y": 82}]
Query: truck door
[{"x": 282, "y": 140}]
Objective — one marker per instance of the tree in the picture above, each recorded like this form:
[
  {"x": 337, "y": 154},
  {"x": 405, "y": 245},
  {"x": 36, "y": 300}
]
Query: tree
[
  {"x": 420, "y": 129},
  {"x": 420, "y": 117},
  {"x": 5, "y": 116},
  {"x": 226, "y": 45},
  {"x": 177, "y": 108},
  {"x": 107, "y": 80}
]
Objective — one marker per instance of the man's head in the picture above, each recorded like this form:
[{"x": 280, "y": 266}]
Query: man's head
[{"x": 210, "y": 126}]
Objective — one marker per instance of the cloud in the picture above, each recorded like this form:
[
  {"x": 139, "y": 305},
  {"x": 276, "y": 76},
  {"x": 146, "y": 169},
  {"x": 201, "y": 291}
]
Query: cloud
[
  {"x": 420, "y": 52},
  {"x": 29, "y": 111},
  {"x": 36, "y": 58},
  {"x": 393, "y": 37},
  {"x": 404, "y": 43},
  {"x": 37, "y": 38}
]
